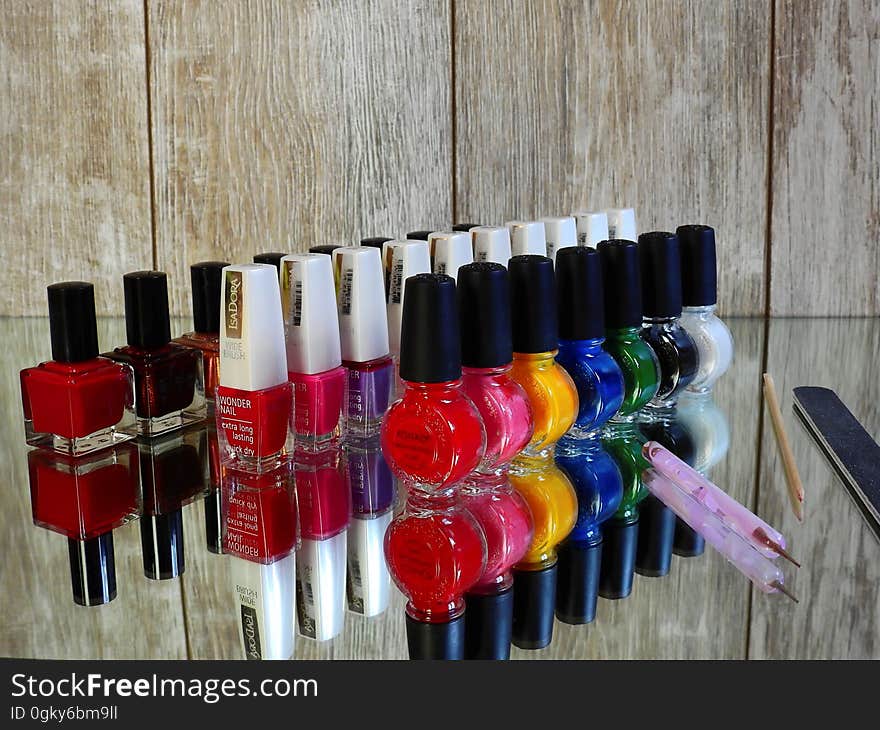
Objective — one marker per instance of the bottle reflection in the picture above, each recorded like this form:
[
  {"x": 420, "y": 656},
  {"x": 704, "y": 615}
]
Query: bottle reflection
[
  {"x": 324, "y": 511},
  {"x": 85, "y": 499},
  {"x": 371, "y": 486},
  {"x": 260, "y": 532},
  {"x": 172, "y": 475},
  {"x": 209, "y": 453}
]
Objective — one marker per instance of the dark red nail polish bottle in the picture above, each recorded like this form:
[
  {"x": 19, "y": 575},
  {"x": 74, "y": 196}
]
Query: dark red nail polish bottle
[
  {"x": 433, "y": 438},
  {"x": 169, "y": 387},
  {"x": 77, "y": 402}
]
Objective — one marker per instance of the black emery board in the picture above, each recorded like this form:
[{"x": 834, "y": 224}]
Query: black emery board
[{"x": 849, "y": 449}]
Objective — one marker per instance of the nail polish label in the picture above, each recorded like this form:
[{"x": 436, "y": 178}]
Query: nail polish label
[
  {"x": 305, "y": 602},
  {"x": 234, "y": 304},
  {"x": 354, "y": 585},
  {"x": 346, "y": 281},
  {"x": 255, "y": 424},
  {"x": 250, "y": 630},
  {"x": 395, "y": 287}
]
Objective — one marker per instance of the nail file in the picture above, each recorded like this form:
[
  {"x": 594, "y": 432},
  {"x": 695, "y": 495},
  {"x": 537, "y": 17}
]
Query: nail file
[{"x": 849, "y": 449}]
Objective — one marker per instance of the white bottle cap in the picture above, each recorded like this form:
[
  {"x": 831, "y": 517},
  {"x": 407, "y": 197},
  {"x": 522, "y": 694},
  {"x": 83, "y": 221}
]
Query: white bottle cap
[
  {"x": 561, "y": 233},
  {"x": 368, "y": 577},
  {"x": 403, "y": 259},
  {"x": 265, "y": 605},
  {"x": 527, "y": 237},
  {"x": 622, "y": 224},
  {"x": 591, "y": 228},
  {"x": 252, "y": 351},
  {"x": 320, "y": 576},
  {"x": 450, "y": 250},
  {"x": 491, "y": 243},
  {"x": 360, "y": 294},
  {"x": 309, "y": 304}
]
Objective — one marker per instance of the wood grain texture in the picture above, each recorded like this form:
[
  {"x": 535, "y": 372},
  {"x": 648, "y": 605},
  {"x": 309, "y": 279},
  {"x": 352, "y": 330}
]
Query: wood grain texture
[
  {"x": 145, "y": 621},
  {"x": 839, "y": 583},
  {"x": 279, "y": 126},
  {"x": 74, "y": 169},
  {"x": 661, "y": 106},
  {"x": 825, "y": 241}
]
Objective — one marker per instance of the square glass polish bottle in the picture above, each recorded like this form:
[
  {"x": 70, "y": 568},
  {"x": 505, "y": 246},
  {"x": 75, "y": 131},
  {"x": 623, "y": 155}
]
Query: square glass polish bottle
[{"x": 169, "y": 388}]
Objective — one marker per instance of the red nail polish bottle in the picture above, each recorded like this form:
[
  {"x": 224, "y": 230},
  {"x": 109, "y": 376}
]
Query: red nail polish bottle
[
  {"x": 503, "y": 515},
  {"x": 260, "y": 533},
  {"x": 85, "y": 499},
  {"x": 432, "y": 438},
  {"x": 205, "y": 277},
  {"x": 314, "y": 359},
  {"x": 168, "y": 378},
  {"x": 254, "y": 404},
  {"x": 77, "y": 402},
  {"x": 324, "y": 505}
]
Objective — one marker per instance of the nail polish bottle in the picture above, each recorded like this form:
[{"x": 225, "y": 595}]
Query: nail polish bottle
[
  {"x": 560, "y": 233},
  {"x": 168, "y": 378},
  {"x": 491, "y": 243},
  {"x": 503, "y": 515},
  {"x": 660, "y": 265},
  {"x": 371, "y": 486},
  {"x": 591, "y": 228},
  {"x": 546, "y": 489},
  {"x": 172, "y": 476},
  {"x": 527, "y": 238},
  {"x": 465, "y": 227},
  {"x": 622, "y": 224},
  {"x": 450, "y": 251},
  {"x": 324, "y": 504},
  {"x": 85, "y": 498},
  {"x": 621, "y": 437},
  {"x": 77, "y": 402},
  {"x": 596, "y": 478},
  {"x": 433, "y": 438},
  {"x": 699, "y": 297},
  {"x": 205, "y": 277},
  {"x": 363, "y": 330},
  {"x": 272, "y": 258},
  {"x": 254, "y": 399},
  {"x": 326, "y": 249},
  {"x": 418, "y": 235},
  {"x": 260, "y": 534},
  {"x": 314, "y": 357}
]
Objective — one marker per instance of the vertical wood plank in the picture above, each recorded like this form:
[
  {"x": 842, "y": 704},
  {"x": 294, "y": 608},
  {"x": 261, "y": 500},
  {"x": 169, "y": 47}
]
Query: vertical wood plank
[
  {"x": 74, "y": 168},
  {"x": 825, "y": 238},
  {"x": 661, "y": 106},
  {"x": 838, "y": 616},
  {"x": 279, "y": 126}
]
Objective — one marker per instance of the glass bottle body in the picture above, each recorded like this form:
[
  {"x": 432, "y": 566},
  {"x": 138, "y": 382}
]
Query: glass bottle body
[
  {"x": 367, "y": 395},
  {"x": 169, "y": 387},
  {"x": 676, "y": 354},
  {"x": 77, "y": 408},
  {"x": 638, "y": 363},
  {"x": 598, "y": 380},
  {"x": 714, "y": 345},
  {"x": 208, "y": 343},
  {"x": 317, "y": 408}
]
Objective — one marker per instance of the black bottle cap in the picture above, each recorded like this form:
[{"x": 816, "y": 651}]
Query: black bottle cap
[
  {"x": 430, "y": 350},
  {"x": 435, "y": 641},
  {"x": 162, "y": 545},
  {"x": 488, "y": 625},
  {"x": 147, "y": 324},
  {"x": 214, "y": 522},
  {"x": 205, "y": 277},
  {"x": 72, "y": 324},
  {"x": 533, "y": 304},
  {"x": 687, "y": 543},
  {"x": 534, "y": 600},
  {"x": 464, "y": 227},
  {"x": 327, "y": 248},
  {"x": 484, "y": 315},
  {"x": 699, "y": 282},
  {"x": 418, "y": 235},
  {"x": 619, "y": 541},
  {"x": 577, "y": 589},
  {"x": 656, "y": 533},
  {"x": 92, "y": 570},
  {"x": 270, "y": 257},
  {"x": 660, "y": 266},
  {"x": 579, "y": 293},
  {"x": 622, "y": 283},
  {"x": 374, "y": 241}
]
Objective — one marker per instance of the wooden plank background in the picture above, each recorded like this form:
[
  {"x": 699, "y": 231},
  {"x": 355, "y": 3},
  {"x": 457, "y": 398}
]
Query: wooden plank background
[{"x": 156, "y": 133}]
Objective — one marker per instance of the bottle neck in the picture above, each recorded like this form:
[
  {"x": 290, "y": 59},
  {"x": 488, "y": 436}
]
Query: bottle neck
[
  {"x": 432, "y": 390},
  {"x": 485, "y": 372},
  {"x": 419, "y": 501},
  {"x": 594, "y": 343},
  {"x": 659, "y": 320},
  {"x": 704, "y": 309},
  {"x": 538, "y": 358}
]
